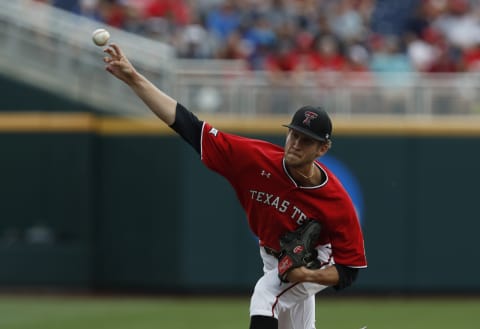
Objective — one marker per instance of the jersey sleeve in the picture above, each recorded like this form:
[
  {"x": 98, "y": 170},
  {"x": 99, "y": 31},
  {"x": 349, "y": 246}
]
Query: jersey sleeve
[
  {"x": 222, "y": 152},
  {"x": 347, "y": 242}
]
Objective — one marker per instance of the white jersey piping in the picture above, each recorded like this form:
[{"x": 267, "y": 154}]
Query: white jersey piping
[{"x": 306, "y": 187}]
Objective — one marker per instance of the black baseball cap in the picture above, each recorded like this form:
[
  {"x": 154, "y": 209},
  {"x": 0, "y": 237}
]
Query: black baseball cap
[{"x": 312, "y": 121}]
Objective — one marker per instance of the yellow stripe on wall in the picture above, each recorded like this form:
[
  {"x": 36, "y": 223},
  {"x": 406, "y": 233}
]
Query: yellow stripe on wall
[
  {"x": 132, "y": 126},
  {"x": 46, "y": 122},
  {"x": 31, "y": 122}
]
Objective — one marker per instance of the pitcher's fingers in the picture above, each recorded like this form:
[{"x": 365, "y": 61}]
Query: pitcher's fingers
[
  {"x": 110, "y": 51},
  {"x": 117, "y": 49}
]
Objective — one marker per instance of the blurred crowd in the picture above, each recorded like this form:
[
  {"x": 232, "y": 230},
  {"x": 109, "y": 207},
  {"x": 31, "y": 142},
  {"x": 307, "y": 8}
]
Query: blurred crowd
[{"x": 309, "y": 35}]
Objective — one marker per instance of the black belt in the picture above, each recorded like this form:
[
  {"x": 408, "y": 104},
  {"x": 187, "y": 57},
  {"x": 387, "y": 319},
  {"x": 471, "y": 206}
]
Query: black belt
[{"x": 272, "y": 252}]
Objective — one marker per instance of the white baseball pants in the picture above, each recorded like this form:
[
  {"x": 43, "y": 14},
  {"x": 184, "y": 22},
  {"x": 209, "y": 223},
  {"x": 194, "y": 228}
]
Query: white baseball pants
[{"x": 292, "y": 304}]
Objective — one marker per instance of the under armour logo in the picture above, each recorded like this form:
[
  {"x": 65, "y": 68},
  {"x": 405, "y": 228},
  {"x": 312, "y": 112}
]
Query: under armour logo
[
  {"x": 265, "y": 174},
  {"x": 309, "y": 116}
]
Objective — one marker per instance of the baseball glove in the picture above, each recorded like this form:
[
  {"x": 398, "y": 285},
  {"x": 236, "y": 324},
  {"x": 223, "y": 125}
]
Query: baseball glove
[{"x": 298, "y": 249}]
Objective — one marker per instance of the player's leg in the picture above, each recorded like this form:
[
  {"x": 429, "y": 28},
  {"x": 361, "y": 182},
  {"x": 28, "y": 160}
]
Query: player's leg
[
  {"x": 304, "y": 314},
  {"x": 300, "y": 316},
  {"x": 266, "y": 289},
  {"x": 261, "y": 315},
  {"x": 292, "y": 304}
]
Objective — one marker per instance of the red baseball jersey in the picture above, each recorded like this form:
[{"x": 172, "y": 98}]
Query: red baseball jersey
[{"x": 274, "y": 203}]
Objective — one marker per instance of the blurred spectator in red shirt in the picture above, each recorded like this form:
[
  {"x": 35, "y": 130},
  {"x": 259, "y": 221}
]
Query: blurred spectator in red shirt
[
  {"x": 115, "y": 13},
  {"x": 234, "y": 47},
  {"x": 444, "y": 63},
  {"x": 447, "y": 59},
  {"x": 176, "y": 11},
  {"x": 328, "y": 56},
  {"x": 283, "y": 59},
  {"x": 471, "y": 58},
  {"x": 304, "y": 42}
]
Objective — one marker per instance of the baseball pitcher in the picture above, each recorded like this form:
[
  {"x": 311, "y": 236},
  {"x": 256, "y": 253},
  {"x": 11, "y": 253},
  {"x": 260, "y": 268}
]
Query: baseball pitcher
[{"x": 309, "y": 234}]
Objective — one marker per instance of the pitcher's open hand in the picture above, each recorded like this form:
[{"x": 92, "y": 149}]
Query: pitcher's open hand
[{"x": 118, "y": 64}]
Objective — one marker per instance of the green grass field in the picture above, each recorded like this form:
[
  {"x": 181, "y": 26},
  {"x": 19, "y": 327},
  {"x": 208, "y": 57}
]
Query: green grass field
[{"x": 19, "y": 312}]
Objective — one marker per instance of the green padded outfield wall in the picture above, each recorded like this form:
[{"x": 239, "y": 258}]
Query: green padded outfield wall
[
  {"x": 46, "y": 209},
  {"x": 139, "y": 223}
]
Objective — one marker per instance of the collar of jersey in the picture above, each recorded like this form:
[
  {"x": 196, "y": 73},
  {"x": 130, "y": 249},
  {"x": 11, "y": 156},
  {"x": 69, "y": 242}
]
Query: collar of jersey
[{"x": 305, "y": 187}]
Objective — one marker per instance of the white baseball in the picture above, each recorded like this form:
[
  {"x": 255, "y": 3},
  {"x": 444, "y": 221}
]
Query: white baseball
[{"x": 100, "y": 37}]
